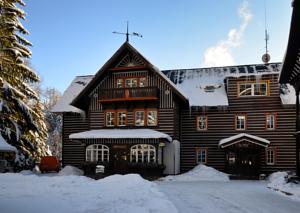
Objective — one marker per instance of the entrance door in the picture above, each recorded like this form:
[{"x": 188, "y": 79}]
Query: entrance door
[
  {"x": 120, "y": 159},
  {"x": 243, "y": 162}
]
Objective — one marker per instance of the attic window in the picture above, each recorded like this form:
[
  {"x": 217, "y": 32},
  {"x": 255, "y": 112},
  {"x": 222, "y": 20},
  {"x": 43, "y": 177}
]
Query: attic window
[{"x": 211, "y": 88}]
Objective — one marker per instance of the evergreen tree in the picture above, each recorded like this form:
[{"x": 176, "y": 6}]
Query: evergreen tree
[{"x": 21, "y": 116}]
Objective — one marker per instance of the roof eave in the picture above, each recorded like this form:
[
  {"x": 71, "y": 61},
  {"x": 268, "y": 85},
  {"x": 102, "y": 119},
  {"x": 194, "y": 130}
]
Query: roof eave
[{"x": 293, "y": 47}]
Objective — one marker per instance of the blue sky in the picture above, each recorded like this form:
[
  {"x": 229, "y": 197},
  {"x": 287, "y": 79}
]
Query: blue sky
[{"x": 73, "y": 37}]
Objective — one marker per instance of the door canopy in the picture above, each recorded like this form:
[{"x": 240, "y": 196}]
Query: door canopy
[{"x": 226, "y": 142}]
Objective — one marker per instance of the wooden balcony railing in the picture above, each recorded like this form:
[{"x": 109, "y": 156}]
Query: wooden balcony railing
[{"x": 128, "y": 94}]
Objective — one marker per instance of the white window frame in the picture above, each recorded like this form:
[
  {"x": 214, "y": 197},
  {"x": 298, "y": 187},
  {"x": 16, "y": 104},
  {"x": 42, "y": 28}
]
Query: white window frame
[
  {"x": 107, "y": 119},
  {"x": 131, "y": 80},
  {"x": 143, "y": 152},
  {"x": 135, "y": 117},
  {"x": 238, "y": 124},
  {"x": 201, "y": 155},
  {"x": 202, "y": 119},
  {"x": 144, "y": 80},
  {"x": 118, "y": 118},
  {"x": 93, "y": 152},
  {"x": 120, "y": 82},
  {"x": 252, "y": 88},
  {"x": 270, "y": 121},
  {"x": 270, "y": 156},
  {"x": 155, "y": 116}
]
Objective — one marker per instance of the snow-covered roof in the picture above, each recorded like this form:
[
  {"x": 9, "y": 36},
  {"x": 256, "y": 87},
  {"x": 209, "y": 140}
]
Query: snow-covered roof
[
  {"x": 120, "y": 134},
  {"x": 287, "y": 94},
  {"x": 206, "y": 86},
  {"x": 235, "y": 139},
  {"x": 4, "y": 146},
  {"x": 201, "y": 86},
  {"x": 77, "y": 85}
]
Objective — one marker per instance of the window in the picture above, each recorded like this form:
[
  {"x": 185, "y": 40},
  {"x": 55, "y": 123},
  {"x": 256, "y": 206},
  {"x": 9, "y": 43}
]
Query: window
[
  {"x": 143, "y": 153},
  {"x": 139, "y": 118},
  {"x": 131, "y": 82},
  {"x": 110, "y": 119},
  {"x": 202, "y": 123},
  {"x": 152, "y": 118},
  {"x": 201, "y": 156},
  {"x": 270, "y": 156},
  {"x": 231, "y": 158},
  {"x": 120, "y": 82},
  {"x": 97, "y": 152},
  {"x": 121, "y": 118},
  {"x": 270, "y": 121},
  {"x": 253, "y": 88},
  {"x": 240, "y": 122},
  {"x": 142, "y": 82}
]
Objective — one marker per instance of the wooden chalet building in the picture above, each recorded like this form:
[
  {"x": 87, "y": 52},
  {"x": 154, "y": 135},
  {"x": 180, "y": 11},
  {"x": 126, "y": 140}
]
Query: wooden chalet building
[
  {"x": 290, "y": 73},
  {"x": 132, "y": 117}
]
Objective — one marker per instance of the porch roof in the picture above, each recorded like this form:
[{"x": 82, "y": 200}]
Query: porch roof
[
  {"x": 241, "y": 137},
  {"x": 121, "y": 134}
]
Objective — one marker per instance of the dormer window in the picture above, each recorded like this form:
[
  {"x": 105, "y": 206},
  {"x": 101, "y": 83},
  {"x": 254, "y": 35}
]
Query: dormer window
[
  {"x": 209, "y": 89},
  {"x": 260, "y": 88}
]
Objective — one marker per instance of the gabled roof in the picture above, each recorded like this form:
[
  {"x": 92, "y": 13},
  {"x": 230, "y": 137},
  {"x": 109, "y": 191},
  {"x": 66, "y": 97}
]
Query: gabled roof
[
  {"x": 290, "y": 72},
  {"x": 243, "y": 137},
  {"x": 82, "y": 99},
  {"x": 77, "y": 85},
  {"x": 203, "y": 86}
]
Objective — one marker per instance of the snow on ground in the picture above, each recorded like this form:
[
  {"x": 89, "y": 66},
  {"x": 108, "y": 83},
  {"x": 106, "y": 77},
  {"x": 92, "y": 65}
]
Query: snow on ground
[
  {"x": 199, "y": 173},
  {"x": 70, "y": 170},
  {"x": 227, "y": 197},
  {"x": 27, "y": 192},
  {"x": 278, "y": 182},
  {"x": 78, "y": 194}
]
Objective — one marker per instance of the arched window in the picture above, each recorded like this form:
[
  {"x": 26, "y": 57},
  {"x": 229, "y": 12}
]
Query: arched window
[
  {"x": 143, "y": 153},
  {"x": 97, "y": 152}
]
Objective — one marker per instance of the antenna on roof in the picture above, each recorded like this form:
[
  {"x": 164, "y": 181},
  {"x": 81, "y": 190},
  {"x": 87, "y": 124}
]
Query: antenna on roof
[
  {"x": 266, "y": 57},
  {"x": 128, "y": 34}
]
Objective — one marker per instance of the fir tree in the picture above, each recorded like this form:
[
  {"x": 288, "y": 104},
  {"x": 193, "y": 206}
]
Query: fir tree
[{"x": 21, "y": 116}]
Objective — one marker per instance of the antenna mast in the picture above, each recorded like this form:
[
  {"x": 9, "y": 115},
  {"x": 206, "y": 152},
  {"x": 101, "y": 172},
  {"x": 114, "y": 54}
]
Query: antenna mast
[
  {"x": 128, "y": 34},
  {"x": 266, "y": 57}
]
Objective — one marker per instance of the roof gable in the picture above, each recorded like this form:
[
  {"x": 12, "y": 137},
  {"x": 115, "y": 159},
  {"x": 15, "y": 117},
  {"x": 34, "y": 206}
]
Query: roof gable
[{"x": 125, "y": 58}]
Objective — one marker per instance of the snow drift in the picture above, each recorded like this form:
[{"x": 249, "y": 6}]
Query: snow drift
[
  {"x": 79, "y": 194},
  {"x": 278, "y": 182},
  {"x": 199, "y": 173},
  {"x": 70, "y": 170}
]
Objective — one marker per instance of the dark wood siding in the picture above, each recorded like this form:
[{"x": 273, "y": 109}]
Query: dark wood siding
[
  {"x": 221, "y": 124},
  {"x": 166, "y": 99},
  {"x": 73, "y": 153},
  {"x": 166, "y": 121}
]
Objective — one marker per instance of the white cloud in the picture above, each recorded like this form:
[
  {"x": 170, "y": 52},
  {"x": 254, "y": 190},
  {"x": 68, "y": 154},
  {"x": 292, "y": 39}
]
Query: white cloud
[{"x": 221, "y": 53}]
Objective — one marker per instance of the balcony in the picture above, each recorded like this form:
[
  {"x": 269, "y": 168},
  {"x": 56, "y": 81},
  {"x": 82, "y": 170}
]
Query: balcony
[{"x": 128, "y": 94}]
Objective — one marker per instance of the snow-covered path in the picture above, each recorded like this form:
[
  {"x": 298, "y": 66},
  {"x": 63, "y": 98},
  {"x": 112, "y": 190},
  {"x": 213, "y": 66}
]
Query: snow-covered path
[{"x": 233, "y": 197}]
